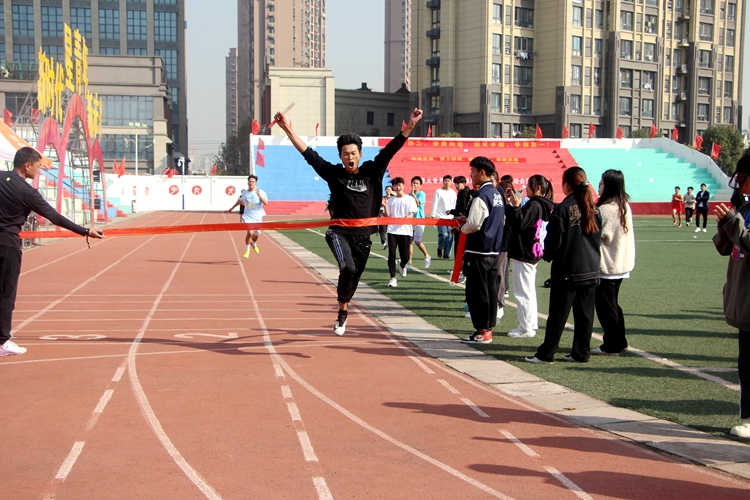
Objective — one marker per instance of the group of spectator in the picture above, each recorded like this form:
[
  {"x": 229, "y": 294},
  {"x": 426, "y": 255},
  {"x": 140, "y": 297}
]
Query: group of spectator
[{"x": 691, "y": 203}]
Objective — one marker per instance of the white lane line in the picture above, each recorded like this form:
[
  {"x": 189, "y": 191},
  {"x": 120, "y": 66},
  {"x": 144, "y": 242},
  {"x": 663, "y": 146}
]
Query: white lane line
[
  {"x": 118, "y": 374},
  {"x": 568, "y": 483},
  {"x": 513, "y": 439},
  {"x": 450, "y": 388},
  {"x": 70, "y": 460},
  {"x": 277, "y": 370},
  {"x": 103, "y": 401},
  {"x": 474, "y": 407},
  {"x": 294, "y": 412},
  {"x": 420, "y": 364},
  {"x": 307, "y": 448},
  {"x": 286, "y": 392},
  {"x": 144, "y": 403},
  {"x": 322, "y": 488}
]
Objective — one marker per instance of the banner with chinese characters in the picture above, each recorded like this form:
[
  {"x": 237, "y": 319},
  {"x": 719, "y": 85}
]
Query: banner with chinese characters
[
  {"x": 483, "y": 144},
  {"x": 55, "y": 78},
  {"x": 461, "y": 159}
]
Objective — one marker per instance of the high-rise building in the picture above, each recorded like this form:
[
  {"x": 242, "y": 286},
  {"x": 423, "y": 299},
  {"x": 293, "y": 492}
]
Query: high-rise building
[
  {"x": 283, "y": 33},
  {"x": 231, "y": 93},
  {"x": 397, "y": 44},
  {"x": 113, "y": 27},
  {"x": 492, "y": 68}
]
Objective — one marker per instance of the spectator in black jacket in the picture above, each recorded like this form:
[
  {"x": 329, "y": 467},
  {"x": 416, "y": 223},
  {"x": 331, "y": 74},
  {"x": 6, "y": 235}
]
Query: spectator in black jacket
[
  {"x": 701, "y": 208},
  {"x": 572, "y": 245},
  {"x": 463, "y": 197},
  {"x": 356, "y": 193},
  {"x": 17, "y": 200}
]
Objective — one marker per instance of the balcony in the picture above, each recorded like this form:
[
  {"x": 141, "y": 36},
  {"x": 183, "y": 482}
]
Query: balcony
[
  {"x": 684, "y": 15},
  {"x": 433, "y": 61},
  {"x": 684, "y": 43},
  {"x": 433, "y": 33},
  {"x": 682, "y": 69},
  {"x": 433, "y": 4},
  {"x": 12, "y": 70},
  {"x": 523, "y": 55}
]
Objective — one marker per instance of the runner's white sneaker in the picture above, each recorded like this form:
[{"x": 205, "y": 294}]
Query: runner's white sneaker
[
  {"x": 742, "y": 430},
  {"x": 339, "y": 328},
  {"x": 10, "y": 348},
  {"x": 393, "y": 283},
  {"x": 427, "y": 262},
  {"x": 403, "y": 271}
]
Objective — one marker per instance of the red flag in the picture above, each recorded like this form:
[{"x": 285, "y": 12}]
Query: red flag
[
  {"x": 698, "y": 142},
  {"x": 170, "y": 173},
  {"x": 618, "y": 134},
  {"x": 122, "y": 168},
  {"x": 653, "y": 130},
  {"x": 261, "y": 144},
  {"x": 8, "y": 118},
  {"x": 675, "y": 133},
  {"x": 538, "y": 132},
  {"x": 255, "y": 128},
  {"x": 592, "y": 130},
  {"x": 34, "y": 115},
  {"x": 715, "y": 150},
  {"x": 213, "y": 170},
  {"x": 429, "y": 131},
  {"x": 260, "y": 160},
  {"x": 317, "y": 126},
  {"x": 115, "y": 167},
  {"x": 403, "y": 125},
  {"x": 565, "y": 131}
]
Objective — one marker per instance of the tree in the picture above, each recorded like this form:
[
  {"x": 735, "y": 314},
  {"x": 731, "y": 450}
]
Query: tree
[
  {"x": 450, "y": 134},
  {"x": 640, "y": 133},
  {"x": 529, "y": 133},
  {"x": 234, "y": 155},
  {"x": 732, "y": 146}
]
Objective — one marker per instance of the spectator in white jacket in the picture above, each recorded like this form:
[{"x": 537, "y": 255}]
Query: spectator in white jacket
[
  {"x": 617, "y": 260},
  {"x": 443, "y": 202}
]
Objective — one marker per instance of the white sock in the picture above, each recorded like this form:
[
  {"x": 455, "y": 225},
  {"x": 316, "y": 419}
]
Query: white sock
[
  {"x": 247, "y": 247},
  {"x": 252, "y": 243}
]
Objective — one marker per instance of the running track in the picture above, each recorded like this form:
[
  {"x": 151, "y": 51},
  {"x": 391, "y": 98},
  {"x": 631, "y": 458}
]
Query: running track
[{"x": 169, "y": 367}]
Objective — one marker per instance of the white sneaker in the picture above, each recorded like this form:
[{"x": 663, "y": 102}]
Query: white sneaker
[
  {"x": 393, "y": 283},
  {"x": 742, "y": 430},
  {"x": 500, "y": 312},
  {"x": 697, "y": 230},
  {"x": 385, "y": 245},
  {"x": 535, "y": 360},
  {"x": 516, "y": 334},
  {"x": 427, "y": 262},
  {"x": 704, "y": 229},
  {"x": 339, "y": 328},
  {"x": 408, "y": 266},
  {"x": 468, "y": 315},
  {"x": 10, "y": 348},
  {"x": 403, "y": 271}
]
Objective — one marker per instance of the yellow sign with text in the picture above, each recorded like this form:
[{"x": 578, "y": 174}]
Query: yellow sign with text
[{"x": 72, "y": 76}]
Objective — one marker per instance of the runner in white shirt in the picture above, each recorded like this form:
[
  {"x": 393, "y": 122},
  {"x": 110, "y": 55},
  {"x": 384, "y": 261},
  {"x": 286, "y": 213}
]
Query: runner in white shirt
[
  {"x": 399, "y": 236},
  {"x": 253, "y": 199},
  {"x": 444, "y": 201}
]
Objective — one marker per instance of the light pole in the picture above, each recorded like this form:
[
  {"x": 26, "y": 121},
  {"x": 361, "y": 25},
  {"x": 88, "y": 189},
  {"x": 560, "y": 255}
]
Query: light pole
[{"x": 136, "y": 133}]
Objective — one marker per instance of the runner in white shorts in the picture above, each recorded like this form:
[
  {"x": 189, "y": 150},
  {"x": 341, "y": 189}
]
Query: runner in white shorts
[{"x": 254, "y": 199}]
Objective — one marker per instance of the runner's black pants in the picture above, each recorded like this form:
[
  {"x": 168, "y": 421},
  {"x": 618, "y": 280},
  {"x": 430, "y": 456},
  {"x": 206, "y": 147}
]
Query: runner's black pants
[
  {"x": 698, "y": 213},
  {"x": 10, "y": 270},
  {"x": 743, "y": 368},
  {"x": 401, "y": 243},
  {"x": 351, "y": 252}
]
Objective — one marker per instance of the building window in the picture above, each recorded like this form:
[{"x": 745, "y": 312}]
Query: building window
[
  {"x": 165, "y": 2},
  {"x": 707, "y": 7},
  {"x": 109, "y": 51},
  {"x": 626, "y": 78},
  {"x": 575, "y": 75},
  {"x": 435, "y": 105},
  {"x": 598, "y": 42},
  {"x": 626, "y": 20},
  {"x": 137, "y": 25},
  {"x": 506, "y": 103},
  {"x": 599, "y": 19},
  {"x": 24, "y": 53},
  {"x": 390, "y": 119},
  {"x": 577, "y": 42},
  {"x": 732, "y": 12},
  {"x": 597, "y": 106},
  {"x": 109, "y": 24},
  {"x": 729, "y": 64},
  {"x": 575, "y": 130},
  {"x": 704, "y": 85},
  {"x": 589, "y": 14},
  {"x": 649, "y": 51},
  {"x": 165, "y": 26},
  {"x": 626, "y": 106},
  {"x": 121, "y": 110},
  {"x": 652, "y": 23},
  {"x": 497, "y": 13},
  {"x": 497, "y": 73},
  {"x": 524, "y": 17},
  {"x": 728, "y": 115},
  {"x": 496, "y": 102},
  {"x": 577, "y": 16},
  {"x": 522, "y": 76},
  {"x": 56, "y": 52},
  {"x": 370, "y": 117},
  {"x": 648, "y": 108},
  {"x": 169, "y": 56},
  {"x": 730, "y": 38},
  {"x": 675, "y": 111},
  {"x": 23, "y": 20},
  {"x": 626, "y": 49},
  {"x": 137, "y": 52},
  {"x": 435, "y": 76},
  {"x": 80, "y": 19},
  {"x": 497, "y": 44},
  {"x": 706, "y": 32},
  {"x": 497, "y": 130},
  {"x": 676, "y": 80},
  {"x": 575, "y": 104},
  {"x": 597, "y": 76},
  {"x": 702, "y": 112},
  {"x": 704, "y": 58},
  {"x": 522, "y": 104},
  {"x": 648, "y": 78},
  {"x": 52, "y": 21},
  {"x": 728, "y": 93}
]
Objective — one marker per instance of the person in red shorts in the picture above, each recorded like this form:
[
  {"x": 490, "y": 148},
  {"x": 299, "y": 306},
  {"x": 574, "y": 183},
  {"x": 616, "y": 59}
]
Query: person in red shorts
[{"x": 677, "y": 207}]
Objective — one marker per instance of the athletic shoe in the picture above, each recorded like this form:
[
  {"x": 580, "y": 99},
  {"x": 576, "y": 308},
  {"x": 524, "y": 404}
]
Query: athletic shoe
[
  {"x": 446, "y": 257},
  {"x": 598, "y": 352},
  {"x": 674, "y": 222},
  {"x": 461, "y": 278},
  {"x": 408, "y": 266},
  {"x": 10, "y": 348},
  {"x": 427, "y": 262},
  {"x": 500, "y": 313},
  {"x": 255, "y": 247},
  {"x": 506, "y": 295},
  {"x": 704, "y": 229},
  {"x": 246, "y": 254},
  {"x": 742, "y": 430},
  {"x": 697, "y": 230},
  {"x": 339, "y": 328},
  {"x": 403, "y": 271},
  {"x": 478, "y": 338},
  {"x": 687, "y": 224},
  {"x": 570, "y": 358},
  {"x": 535, "y": 360},
  {"x": 467, "y": 315},
  {"x": 393, "y": 283},
  {"x": 385, "y": 245},
  {"x": 680, "y": 225},
  {"x": 440, "y": 255},
  {"x": 517, "y": 334}
]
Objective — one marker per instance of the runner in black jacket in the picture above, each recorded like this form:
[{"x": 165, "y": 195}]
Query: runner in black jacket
[
  {"x": 17, "y": 200},
  {"x": 356, "y": 193}
]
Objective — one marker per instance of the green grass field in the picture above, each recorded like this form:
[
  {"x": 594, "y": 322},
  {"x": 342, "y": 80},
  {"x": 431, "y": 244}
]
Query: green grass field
[{"x": 673, "y": 309}]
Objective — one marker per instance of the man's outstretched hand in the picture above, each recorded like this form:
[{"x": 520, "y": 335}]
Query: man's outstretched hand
[
  {"x": 282, "y": 121},
  {"x": 415, "y": 116}
]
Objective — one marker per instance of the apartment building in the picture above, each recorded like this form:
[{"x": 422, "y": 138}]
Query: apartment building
[
  {"x": 491, "y": 68},
  {"x": 397, "y": 45}
]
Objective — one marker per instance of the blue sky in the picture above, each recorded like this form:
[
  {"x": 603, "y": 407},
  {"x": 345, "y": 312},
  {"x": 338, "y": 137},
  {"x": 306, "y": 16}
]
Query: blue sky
[{"x": 355, "y": 53}]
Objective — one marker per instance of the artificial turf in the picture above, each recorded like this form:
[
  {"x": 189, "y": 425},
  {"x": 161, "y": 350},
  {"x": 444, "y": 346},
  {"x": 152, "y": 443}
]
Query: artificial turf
[{"x": 673, "y": 309}]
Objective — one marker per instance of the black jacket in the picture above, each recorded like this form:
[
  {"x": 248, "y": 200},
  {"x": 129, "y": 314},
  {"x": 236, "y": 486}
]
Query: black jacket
[
  {"x": 575, "y": 256},
  {"x": 462, "y": 202},
  {"x": 17, "y": 200},
  {"x": 355, "y": 196},
  {"x": 525, "y": 227}
]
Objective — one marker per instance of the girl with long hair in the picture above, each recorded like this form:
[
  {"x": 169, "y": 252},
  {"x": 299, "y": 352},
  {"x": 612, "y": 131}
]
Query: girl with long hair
[
  {"x": 617, "y": 259},
  {"x": 572, "y": 245},
  {"x": 526, "y": 248}
]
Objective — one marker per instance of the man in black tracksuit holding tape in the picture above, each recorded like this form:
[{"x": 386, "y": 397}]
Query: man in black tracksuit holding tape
[{"x": 356, "y": 193}]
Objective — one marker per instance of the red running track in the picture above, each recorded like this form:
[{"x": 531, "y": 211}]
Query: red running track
[{"x": 171, "y": 367}]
